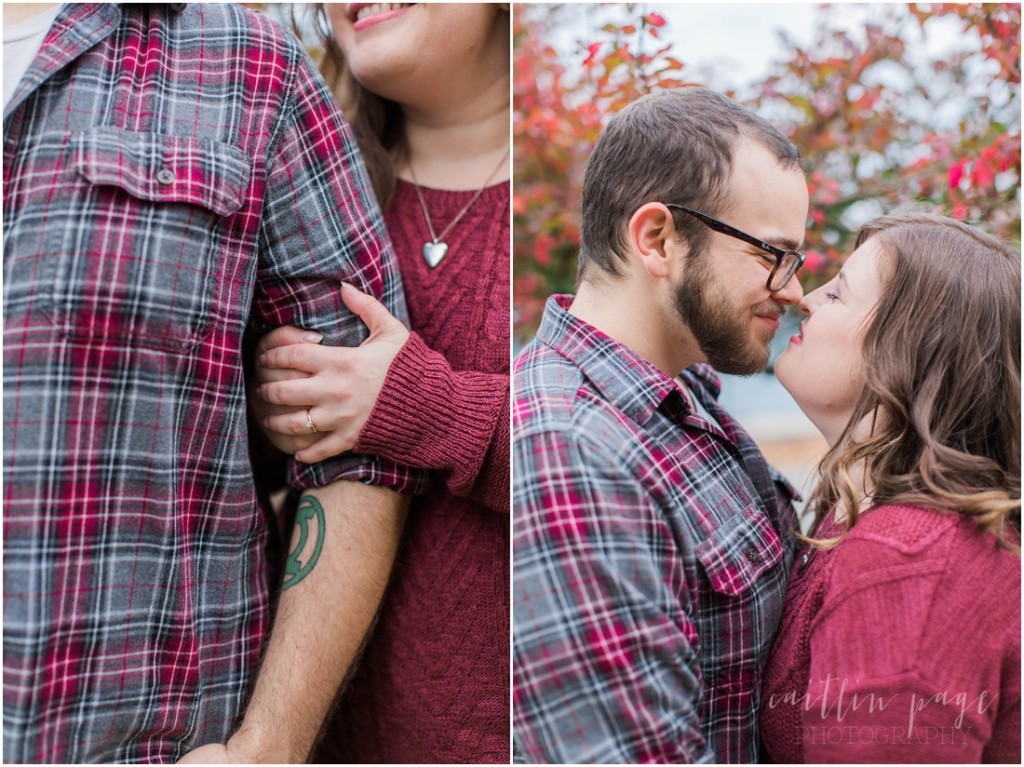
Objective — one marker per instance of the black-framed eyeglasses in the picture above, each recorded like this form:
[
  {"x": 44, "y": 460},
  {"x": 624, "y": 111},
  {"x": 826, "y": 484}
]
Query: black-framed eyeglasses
[{"x": 786, "y": 261}]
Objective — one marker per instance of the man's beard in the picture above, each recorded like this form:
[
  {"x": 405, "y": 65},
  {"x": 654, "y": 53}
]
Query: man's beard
[{"x": 722, "y": 331}]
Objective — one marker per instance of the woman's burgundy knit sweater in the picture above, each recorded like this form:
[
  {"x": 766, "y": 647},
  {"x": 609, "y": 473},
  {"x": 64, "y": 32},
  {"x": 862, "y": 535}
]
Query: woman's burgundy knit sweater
[
  {"x": 432, "y": 684},
  {"x": 902, "y": 644}
]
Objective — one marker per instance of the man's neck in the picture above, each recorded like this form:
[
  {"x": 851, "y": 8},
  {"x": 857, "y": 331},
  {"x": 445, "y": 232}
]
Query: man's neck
[
  {"x": 629, "y": 311},
  {"x": 18, "y": 13}
]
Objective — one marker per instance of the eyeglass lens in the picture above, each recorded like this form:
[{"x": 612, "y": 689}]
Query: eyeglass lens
[{"x": 784, "y": 270}]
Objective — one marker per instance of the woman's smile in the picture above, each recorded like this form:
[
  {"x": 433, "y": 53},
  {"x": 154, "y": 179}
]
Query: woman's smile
[{"x": 365, "y": 15}]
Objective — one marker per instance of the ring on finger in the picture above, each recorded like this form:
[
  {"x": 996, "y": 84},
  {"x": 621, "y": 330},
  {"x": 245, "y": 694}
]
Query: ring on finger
[{"x": 309, "y": 423}]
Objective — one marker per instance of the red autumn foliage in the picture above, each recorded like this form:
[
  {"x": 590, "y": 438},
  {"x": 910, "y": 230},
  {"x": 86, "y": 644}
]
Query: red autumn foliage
[{"x": 871, "y": 114}]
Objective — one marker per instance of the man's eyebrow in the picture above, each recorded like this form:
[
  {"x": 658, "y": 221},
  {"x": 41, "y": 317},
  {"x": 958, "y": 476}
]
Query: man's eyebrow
[{"x": 783, "y": 242}]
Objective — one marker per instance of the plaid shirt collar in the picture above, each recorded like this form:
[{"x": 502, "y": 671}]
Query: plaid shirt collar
[
  {"x": 630, "y": 383},
  {"x": 637, "y": 388},
  {"x": 77, "y": 28}
]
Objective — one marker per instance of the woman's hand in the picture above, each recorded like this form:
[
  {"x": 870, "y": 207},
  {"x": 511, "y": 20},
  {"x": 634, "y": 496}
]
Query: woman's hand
[
  {"x": 286, "y": 443},
  {"x": 336, "y": 386}
]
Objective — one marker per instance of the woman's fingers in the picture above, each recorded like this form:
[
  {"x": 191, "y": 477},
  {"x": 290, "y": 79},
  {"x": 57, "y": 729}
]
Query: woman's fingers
[
  {"x": 309, "y": 358},
  {"x": 269, "y": 375},
  {"x": 285, "y": 336},
  {"x": 290, "y": 444},
  {"x": 295, "y": 422},
  {"x": 299, "y": 392},
  {"x": 289, "y": 431},
  {"x": 378, "y": 320},
  {"x": 333, "y": 443}
]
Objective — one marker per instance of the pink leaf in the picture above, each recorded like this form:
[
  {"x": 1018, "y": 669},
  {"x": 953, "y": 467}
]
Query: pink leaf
[{"x": 956, "y": 172}]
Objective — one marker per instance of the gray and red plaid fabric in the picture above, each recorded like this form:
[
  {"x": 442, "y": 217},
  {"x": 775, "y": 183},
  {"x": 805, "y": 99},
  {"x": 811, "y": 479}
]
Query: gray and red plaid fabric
[
  {"x": 174, "y": 180},
  {"x": 651, "y": 550}
]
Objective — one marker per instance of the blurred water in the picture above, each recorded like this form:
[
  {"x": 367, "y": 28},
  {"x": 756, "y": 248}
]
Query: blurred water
[
  {"x": 764, "y": 408},
  {"x": 787, "y": 438}
]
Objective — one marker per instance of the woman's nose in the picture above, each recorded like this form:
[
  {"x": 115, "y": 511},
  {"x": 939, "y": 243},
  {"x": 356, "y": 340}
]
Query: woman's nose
[{"x": 810, "y": 302}]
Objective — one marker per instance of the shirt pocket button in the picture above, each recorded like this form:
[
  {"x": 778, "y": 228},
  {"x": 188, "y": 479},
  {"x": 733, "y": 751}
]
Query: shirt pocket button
[
  {"x": 752, "y": 555},
  {"x": 165, "y": 176}
]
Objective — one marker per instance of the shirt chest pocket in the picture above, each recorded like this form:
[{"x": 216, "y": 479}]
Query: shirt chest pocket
[
  {"x": 142, "y": 267},
  {"x": 742, "y": 561},
  {"x": 738, "y": 553}
]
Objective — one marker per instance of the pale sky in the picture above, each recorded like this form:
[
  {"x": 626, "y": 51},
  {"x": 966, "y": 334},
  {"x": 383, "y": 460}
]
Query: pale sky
[{"x": 740, "y": 41}]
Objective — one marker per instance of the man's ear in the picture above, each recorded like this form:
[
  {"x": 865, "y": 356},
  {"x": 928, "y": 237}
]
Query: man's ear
[{"x": 650, "y": 229}]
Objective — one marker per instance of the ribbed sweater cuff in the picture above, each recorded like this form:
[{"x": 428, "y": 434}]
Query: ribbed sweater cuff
[{"x": 429, "y": 416}]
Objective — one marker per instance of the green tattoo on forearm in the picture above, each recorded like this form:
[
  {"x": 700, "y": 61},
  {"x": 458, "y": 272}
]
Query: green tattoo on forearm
[{"x": 306, "y": 551}]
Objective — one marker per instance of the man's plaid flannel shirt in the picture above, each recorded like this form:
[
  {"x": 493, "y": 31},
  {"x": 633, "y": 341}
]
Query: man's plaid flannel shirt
[
  {"x": 175, "y": 179},
  {"x": 650, "y": 557}
]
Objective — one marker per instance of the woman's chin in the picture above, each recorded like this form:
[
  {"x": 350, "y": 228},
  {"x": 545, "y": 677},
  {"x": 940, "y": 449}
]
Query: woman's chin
[
  {"x": 782, "y": 371},
  {"x": 790, "y": 380}
]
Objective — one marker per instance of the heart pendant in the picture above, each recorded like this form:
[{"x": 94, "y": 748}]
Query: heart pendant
[{"x": 433, "y": 252}]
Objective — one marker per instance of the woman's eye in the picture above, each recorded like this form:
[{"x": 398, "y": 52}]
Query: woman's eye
[{"x": 832, "y": 296}]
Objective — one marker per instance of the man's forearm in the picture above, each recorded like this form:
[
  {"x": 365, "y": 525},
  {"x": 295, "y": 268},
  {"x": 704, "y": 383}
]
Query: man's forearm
[{"x": 342, "y": 550}]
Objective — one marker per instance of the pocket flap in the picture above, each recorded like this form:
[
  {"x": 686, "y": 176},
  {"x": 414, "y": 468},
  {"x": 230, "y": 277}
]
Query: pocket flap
[
  {"x": 736, "y": 555},
  {"x": 160, "y": 168}
]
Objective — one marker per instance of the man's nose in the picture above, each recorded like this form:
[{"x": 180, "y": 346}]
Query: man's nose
[{"x": 791, "y": 293}]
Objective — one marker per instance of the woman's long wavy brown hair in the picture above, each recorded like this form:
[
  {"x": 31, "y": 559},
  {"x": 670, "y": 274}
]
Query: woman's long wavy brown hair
[
  {"x": 941, "y": 358},
  {"x": 377, "y": 122}
]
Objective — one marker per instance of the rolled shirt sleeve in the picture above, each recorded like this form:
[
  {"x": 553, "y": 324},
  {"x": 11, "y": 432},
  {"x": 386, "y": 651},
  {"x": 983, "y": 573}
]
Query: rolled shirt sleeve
[{"x": 321, "y": 227}]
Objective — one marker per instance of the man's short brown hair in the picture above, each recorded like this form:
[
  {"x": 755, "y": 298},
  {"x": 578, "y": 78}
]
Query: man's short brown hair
[{"x": 672, "y": 146}]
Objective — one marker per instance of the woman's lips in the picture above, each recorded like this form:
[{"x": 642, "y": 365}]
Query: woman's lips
[
  {"x": 799, "y": 337},
  {"x": 365, "y": 15}
]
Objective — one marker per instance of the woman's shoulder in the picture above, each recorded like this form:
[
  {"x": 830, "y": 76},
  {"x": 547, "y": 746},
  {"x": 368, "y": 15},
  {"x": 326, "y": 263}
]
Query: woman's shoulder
[
  {"x": 920, "y": 532},
  {"x": 895, "y": 542},
  {"x": 913, "y": 572}
]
